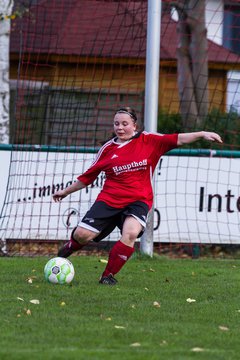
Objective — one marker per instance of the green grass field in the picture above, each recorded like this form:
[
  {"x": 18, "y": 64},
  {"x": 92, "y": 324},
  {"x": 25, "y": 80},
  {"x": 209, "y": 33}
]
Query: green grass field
[{"x": 86, "y": 320}]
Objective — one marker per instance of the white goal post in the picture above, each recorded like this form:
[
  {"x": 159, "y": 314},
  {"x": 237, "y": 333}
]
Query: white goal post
[{"x": 151, "y": 95}]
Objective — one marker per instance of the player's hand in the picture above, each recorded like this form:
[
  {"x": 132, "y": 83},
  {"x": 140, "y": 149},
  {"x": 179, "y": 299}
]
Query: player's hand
[
  {"x": 211, "y": 136},
  {"x": 59, "y": 195}
]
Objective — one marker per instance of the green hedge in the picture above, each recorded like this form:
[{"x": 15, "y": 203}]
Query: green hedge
[{"x": 227, "y": 125}]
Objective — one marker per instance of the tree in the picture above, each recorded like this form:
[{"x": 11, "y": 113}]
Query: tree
[
  {"x": 192, "y": 57},
  {"x": 5, "y": 15}
]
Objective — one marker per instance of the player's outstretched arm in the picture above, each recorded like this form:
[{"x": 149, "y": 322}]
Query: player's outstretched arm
[
  {"x": 188, "y": 138},
  {"x": 61, "y": 194}
]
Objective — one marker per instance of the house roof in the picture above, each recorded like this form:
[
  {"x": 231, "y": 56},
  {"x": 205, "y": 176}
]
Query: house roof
[{"x": 97, "y": 28}]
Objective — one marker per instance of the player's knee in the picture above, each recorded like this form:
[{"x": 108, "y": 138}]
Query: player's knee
[
  {"x": 129, "y": 236},
  {"x": 129, "y": 241},
  {"x": 83, "y": 236},
  {"x": 131, "y": 233}
]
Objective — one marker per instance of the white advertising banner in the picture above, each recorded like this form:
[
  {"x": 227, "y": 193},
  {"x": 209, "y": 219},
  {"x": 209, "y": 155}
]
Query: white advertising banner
[{"x": 197, "y": 199}]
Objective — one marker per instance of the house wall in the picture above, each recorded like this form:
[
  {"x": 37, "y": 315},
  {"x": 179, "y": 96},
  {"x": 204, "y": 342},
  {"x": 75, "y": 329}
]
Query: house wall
[
  {"x": 127, "y": 79},
  {"x": 168, "y": 94},
  {"x": 85, "y": 94},
  {"x": 85, "y": 75}
]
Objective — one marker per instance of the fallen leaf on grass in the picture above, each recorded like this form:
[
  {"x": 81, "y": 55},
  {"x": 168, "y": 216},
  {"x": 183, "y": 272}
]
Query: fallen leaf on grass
[
  {"x": 35, "y": 301},
  {"x": 146, "y": 289},
  {"x": 119, "y": 327},
  {"x": 20, "y": 299},
  {"x": 136, "y": 344},
  {"x": 28, "y": 311},
  {"x": 103, "y": 261},
  {"x": 30, "y": 279},
  {"x": 152, "y": 270},
  {"x": 163, "y": 342},
  {"x": 62, "y": 303},
  {"x": 223, "y": 328},
  {"x": 108, "y": 318},
  {"x": 189, "y": 300},
  {"x": 197, "y": 349},
  {"x": 156, "y": 304}
]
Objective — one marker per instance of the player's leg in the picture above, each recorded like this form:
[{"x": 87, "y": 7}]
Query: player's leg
[
  {"x": 97, "y": 224},
  {"x": 133, "y": 224},
  {"x": 79, "y": 238},
  {"x": 124, "y": 248}
]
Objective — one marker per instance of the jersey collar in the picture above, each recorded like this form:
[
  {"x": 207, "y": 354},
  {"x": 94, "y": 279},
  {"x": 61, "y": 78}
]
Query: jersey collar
[{"x": 126, "y": 142}]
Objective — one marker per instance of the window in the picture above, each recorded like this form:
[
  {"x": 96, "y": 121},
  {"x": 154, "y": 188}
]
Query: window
[{"x": 231, "y": 28}]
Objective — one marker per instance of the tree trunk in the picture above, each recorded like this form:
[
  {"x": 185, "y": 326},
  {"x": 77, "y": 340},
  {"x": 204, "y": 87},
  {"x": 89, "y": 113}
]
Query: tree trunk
[
  {"x": 5, "y": 12},
  {"x": 188, "y": 107},
  {"x": 199, "y": 55},
  {"x": 192, "y": 62}
]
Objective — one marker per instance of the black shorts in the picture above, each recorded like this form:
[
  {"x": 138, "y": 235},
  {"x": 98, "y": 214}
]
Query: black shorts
[{"x": 102, "y": 218}]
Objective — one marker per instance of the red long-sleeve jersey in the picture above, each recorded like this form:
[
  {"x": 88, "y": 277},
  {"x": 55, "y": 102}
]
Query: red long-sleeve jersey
[{"x": 129, "y": 168}]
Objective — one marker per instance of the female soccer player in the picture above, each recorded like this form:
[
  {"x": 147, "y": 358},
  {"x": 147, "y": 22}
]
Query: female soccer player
[{"x": 128, "y": 160}]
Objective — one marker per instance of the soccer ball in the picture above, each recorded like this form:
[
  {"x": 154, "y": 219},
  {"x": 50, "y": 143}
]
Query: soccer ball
[{"x": 59, "y": 271}]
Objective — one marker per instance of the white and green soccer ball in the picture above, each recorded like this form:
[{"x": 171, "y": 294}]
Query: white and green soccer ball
[{"x": 59, "y": 271}]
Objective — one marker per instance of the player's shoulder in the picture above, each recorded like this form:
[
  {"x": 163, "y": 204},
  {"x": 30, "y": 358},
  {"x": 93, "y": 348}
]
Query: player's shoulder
[
  {"x": 157, "y": 138},
  {"x": 106, "y": 147},
  {"x": 103, "y": 150},
  {"x": 107, "y": 144},
  {"x": 149, "y": 134}
]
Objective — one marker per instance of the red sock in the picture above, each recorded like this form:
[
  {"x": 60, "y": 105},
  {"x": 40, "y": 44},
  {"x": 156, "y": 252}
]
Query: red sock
[{"x": 118, "y": 256}]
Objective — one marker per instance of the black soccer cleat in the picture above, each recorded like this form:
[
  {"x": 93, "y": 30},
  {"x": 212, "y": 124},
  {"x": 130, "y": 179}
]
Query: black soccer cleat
[
  {"x": 108, "y": 280},
  {"x": 66, "y": 250}
]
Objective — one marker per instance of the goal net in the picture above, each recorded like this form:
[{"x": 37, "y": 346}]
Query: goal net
[{"x": 72, "y": 64}]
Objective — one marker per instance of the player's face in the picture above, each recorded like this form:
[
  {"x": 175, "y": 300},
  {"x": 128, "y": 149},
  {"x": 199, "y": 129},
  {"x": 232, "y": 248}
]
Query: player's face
[{"x": 124, "y": 127}]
